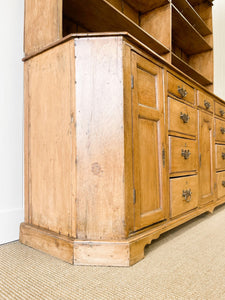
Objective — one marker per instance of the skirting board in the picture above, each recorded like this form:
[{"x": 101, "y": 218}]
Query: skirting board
[
  {"x": 9, "y": 224},
  {"x": 102, "y": 253}
]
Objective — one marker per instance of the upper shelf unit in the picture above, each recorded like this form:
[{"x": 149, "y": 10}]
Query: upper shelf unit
[
  {"x": 179, "y": 30},
  {"x": 187, "y": 10},
  {"x": 100, "y": 15}
]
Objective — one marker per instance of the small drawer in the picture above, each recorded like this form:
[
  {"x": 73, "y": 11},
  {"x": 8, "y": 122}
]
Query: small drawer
[
  {"x": 205, "y": 101},
  {"x": 220, "y": 184},
  {"x": 220, "y": 157},
  {"x": 220, "y": 130},
  {"x": 220, "y": 110},
  {"x": 180, "y": 89},
  {"x": 183, "y": 194},
  {"x": 183, "y": 155},
  {"x": 182, "y": 118}
]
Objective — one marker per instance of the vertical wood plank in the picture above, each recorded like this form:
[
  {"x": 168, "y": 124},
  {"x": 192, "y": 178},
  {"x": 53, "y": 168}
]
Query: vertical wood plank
[
  {"x": 51, "y": 138},
  {"x": 100, "y": 138},
  {"x": 43, "y": 24}
]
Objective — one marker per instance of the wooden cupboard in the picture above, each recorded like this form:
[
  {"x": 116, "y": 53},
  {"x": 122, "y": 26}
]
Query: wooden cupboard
[{"x": 120, "y": 144}]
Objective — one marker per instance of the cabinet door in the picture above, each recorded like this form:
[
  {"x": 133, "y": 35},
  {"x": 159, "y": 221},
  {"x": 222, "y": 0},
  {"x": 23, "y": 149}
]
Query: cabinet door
[
  {"x": 148, "y": 142},
  {"x": 207, "y": 159}
]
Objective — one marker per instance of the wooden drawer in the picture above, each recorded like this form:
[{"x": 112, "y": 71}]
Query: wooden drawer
[
  {"x": 180, "y": 89},
  {"x": 220, "y": 110},
  {"x": 182, "y": 118},
  {"x": 220, "y": 157},
  {"x": 220, "y": 184},
  {"x": 220, "y": 130},
  {"x": 183, "y": 155},
  {"x": 183, "y": 194},
  {"x": 205, "y": 101}
]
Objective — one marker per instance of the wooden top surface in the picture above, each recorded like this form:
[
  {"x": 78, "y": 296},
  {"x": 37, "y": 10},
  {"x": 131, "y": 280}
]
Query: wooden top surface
[{"x": 131, "y": 39}]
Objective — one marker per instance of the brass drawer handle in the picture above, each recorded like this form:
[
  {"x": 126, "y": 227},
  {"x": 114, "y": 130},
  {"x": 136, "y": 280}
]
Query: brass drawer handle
[
  {"x": 182, "y": 92},
  {"x": 223, "y": 183},
  {"x": 222, "y": 112},
  {"x": 223, "y": 155},
  {"x": 222, "y": 129},
  {"x": 187, "y": 195},
  {"x": 207, "y": 104},
  {"x": 184, "y": 117},
  {"x": 185, "y": 153}
]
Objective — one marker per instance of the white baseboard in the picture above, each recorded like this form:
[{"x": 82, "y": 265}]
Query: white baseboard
[{"x": 9, "y": 224}]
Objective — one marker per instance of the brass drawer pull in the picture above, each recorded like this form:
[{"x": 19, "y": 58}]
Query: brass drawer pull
[
  {"x": 222, "y": 112},
  {"x": 207, "y": 104},
  {"x": 187, "y": 195},
  {"x": 182, "y": 92},
  {"x": 184, "y": 117},
  {"x": 185, "y": 153},
  {"x": 222, "y": 129},
  {"x": 223, "y": 183},
  {"x": 223, "y": 155}
]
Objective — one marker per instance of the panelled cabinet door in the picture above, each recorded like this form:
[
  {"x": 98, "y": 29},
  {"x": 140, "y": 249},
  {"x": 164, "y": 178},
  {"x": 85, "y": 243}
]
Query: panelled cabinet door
[
  {"x": 148, "y": 142},
  {"x": 206, "y": 160}
]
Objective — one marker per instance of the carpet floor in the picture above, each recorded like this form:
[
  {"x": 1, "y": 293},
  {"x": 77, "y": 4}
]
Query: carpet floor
[{"x": 185, "y": 263}]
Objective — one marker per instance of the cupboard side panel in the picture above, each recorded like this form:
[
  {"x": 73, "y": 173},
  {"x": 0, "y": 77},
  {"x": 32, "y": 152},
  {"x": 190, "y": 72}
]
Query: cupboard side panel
[
  {"x": 51, "y": 139},
  {"x": 100, "y": 139},
  {"x": 43, "y": 24}
]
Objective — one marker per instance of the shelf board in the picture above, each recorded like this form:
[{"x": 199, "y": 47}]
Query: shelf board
[
  {"x": 99, "y": 15},
  {"x": 196, "y": 2},
  {"x": 192, "y": 16},
  {"x": 145, "y": 5},
  {"x": 187, "y": 69},
  {"x": 186, "y": 36}
]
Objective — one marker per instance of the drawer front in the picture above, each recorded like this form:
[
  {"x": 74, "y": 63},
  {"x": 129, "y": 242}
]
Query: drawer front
[
  {"x": 182, "y": 118},
  {"x": 183, "y": 194},
  {"x": 220, "y": 130},
  {"x": 180, "y": 89},
  {"x": 220, "y": 110},
  {"x": 220, "y": 184},
  {"x": 205, "y": 101},
  {"x": 220, "y": 157},
  {"x": 183, "y": 155}
]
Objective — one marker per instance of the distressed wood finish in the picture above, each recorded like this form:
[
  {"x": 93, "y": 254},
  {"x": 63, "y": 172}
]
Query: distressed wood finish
[
  {"x": 50, "y": 138},
  {"x": 181, "y": 201},
  {"x": 220, "y": 130},
  {"x": 104, "y": 169},
  {"x": 220, "y": 157},
  {"x": 147, "y": 100},
  {"x": 176, "y": 118},
  {"x": 43, "y": 24},
  {"x": 100, "y": 138},
  {"x": 178, "y": 162},
  {"x": 207, "y": 158},
  {"x": 220, "y": 184},
  {"x": 175, "y": 85},
  {"x": 206, "y": 102}
]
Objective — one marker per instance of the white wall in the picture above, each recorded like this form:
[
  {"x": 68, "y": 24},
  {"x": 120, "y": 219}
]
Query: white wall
[
  {"x": 11, "y": 119},
  {"x": 219, "y": 47}
]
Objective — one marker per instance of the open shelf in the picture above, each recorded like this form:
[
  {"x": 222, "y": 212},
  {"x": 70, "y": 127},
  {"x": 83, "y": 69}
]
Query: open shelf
[
  {"x": 100, "y": 16},
  {"x": 192, "y": 16},
  {"x": 185, "y": 36},
  {"x": 187, "y": 69},
  {"x": 146, "y": 5}
]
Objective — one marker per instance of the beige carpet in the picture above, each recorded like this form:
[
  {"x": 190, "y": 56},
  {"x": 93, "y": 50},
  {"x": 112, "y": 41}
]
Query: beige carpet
[{"x": 187, "y": 263}]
